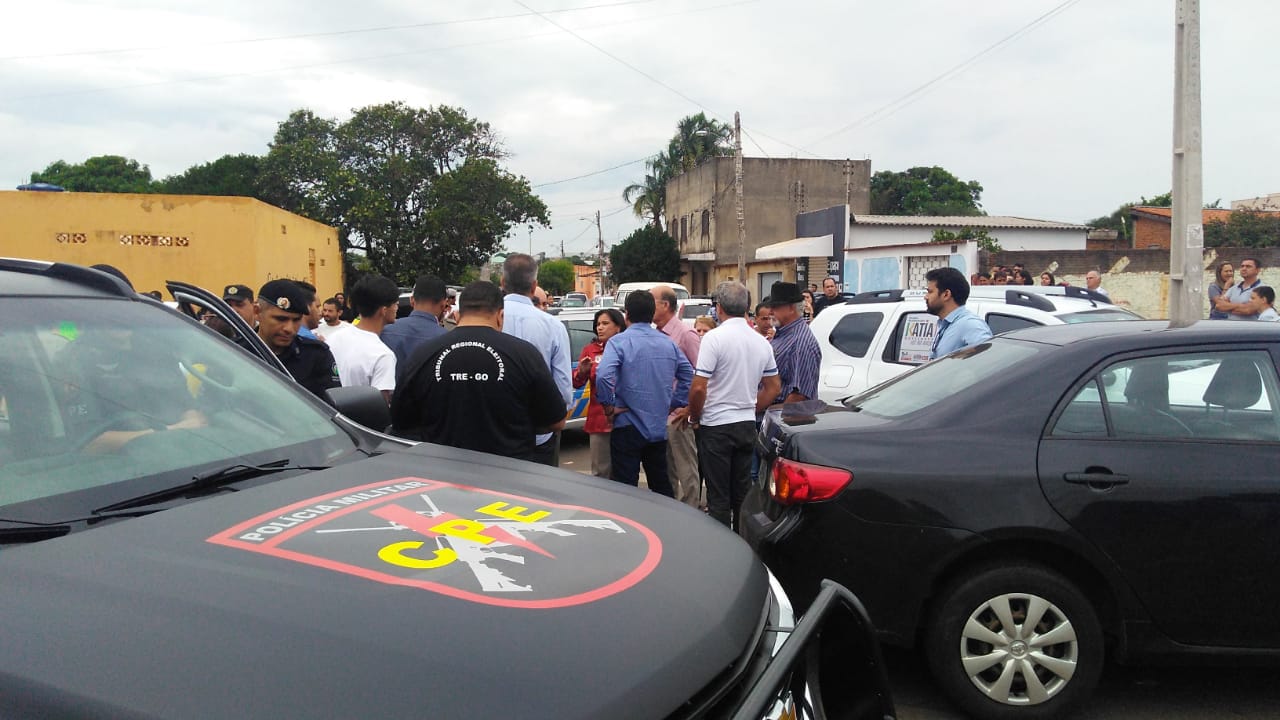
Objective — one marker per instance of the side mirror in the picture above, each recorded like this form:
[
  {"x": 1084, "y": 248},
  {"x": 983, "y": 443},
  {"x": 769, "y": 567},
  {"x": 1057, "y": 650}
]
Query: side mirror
[{"x": 362, "y": 404}]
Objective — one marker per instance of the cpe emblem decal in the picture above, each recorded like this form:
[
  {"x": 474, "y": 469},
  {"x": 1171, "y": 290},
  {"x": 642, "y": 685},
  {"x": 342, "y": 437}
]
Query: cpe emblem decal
[{"x": 468, "y": 543}]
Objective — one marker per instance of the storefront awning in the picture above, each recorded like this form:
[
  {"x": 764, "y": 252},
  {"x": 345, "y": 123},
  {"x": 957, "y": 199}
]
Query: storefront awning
[
  {"x": 799, "y": 248},
  {"x": 699, "y": 257}
]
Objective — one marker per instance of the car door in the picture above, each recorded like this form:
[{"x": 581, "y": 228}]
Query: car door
[
  {"x": 1166, "y": 462},
  {"x": 189, "y": 297}
]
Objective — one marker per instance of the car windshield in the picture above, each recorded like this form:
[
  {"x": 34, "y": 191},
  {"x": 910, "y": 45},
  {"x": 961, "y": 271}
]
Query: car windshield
[
  {"x": 574, "y": 301},
  {"x": 1100, "y": 315},
  {"x": 104, "y": 393},
  {"x": 942, "y": 378}
]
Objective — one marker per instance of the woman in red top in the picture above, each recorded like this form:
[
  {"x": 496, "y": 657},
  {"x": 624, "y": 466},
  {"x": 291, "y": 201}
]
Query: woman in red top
[{"x": 609, "y": 322}]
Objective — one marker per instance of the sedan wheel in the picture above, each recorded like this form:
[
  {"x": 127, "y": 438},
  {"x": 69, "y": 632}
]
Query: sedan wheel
[{"x": 1017, "y": 642}]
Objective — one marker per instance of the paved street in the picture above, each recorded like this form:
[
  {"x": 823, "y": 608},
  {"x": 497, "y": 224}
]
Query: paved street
[{"x": 1125, "y": 693}]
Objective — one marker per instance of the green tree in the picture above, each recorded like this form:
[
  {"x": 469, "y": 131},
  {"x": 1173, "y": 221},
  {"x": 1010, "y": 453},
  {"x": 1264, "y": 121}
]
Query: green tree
[
  {"x": 1244, "y": 228},
  {"x": 697, "y": 139},
  {"x": 557, "y": 277},
  {"x": 924, "y": 191},
  {"x": 648, "y": 198},
  {"x": 648, "y": 254},
  {"x": 102, "y": 173},
  {"x": 418, "y": 190},
  {"x": 237, "y": 175},
  {"x": 984, "y": 239}
]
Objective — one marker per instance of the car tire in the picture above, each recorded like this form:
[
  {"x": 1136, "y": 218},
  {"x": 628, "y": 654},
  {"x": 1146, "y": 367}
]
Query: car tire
[{"x": 991, "y": 666}]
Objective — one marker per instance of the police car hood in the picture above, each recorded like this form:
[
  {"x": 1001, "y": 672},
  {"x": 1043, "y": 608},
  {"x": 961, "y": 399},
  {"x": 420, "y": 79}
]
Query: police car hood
[{"x": 429, "y": 582}]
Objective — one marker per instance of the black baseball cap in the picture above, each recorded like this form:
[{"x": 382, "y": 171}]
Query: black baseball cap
[
  {"x": 286, "y": 295},
  {"x": 239, "y": 293}
]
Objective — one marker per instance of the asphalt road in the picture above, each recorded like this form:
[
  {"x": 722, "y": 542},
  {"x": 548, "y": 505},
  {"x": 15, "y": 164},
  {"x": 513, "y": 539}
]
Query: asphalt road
[{"x": 1150, "y": 693}]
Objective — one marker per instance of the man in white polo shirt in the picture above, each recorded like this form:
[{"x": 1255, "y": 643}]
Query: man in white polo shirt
[{"x": 735, "y": 380}]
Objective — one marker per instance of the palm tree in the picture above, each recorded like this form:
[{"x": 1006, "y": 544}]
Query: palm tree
[
  {"x": 697, "y": 139},
  {"x": 648, "y": 198}
]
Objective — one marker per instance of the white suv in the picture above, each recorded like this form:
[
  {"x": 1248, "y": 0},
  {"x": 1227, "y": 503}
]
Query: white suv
[{"x": 875, "y": 336}]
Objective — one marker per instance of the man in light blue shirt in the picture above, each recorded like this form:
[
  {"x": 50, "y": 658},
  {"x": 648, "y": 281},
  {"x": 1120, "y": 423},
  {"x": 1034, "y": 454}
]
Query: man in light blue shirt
[
  {"x": 643, "y": 376},
  {"x": 957, "y": 326},
  {"x": 525, "y": 320}
]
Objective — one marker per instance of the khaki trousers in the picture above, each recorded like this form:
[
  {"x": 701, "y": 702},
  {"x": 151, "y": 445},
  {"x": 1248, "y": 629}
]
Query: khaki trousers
[{"x": 682, "y": 463}]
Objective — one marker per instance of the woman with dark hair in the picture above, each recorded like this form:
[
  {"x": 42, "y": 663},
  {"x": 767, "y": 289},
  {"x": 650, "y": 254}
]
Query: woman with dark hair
[
  {"x": 1046, "y": 278},
  {"x": 609, "y": 322},
  {"x": 1224, "y": 279}
]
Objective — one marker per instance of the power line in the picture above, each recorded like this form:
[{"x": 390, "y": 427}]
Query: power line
[
  {"x": 890, "y": 108},
  {"x": 646, "y": 75},
  {"x": 308, "y": 66},
  {"x": 303, "y": 36},
  {"x": 591, "y": 174}
]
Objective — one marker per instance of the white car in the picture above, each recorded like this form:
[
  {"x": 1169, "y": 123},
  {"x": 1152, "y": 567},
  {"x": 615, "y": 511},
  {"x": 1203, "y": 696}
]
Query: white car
[{"x": 875, "y": 336}]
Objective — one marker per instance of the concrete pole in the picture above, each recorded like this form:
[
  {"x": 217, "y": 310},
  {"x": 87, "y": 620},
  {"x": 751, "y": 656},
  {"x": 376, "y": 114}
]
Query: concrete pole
[
  {"x": 1186, "y": 236},
  {"x": 737, "y": 191}
]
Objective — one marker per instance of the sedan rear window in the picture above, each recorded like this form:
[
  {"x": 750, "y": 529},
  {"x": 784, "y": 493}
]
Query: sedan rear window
[
  {"x": 942, "y": 378},
  {"x": 1100, "y": 315}
]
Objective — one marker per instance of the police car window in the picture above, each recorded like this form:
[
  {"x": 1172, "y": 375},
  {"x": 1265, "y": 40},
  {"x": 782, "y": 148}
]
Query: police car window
[
  {"x": 854, "y": 333},
  {"x": 1000, "y": 323},
  {"x": 581, "y": 333},
  {"x": 97, "y": 393}
]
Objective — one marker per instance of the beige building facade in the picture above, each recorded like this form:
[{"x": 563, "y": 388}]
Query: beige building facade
[
  {"x": 208, "y": 241},
  {"x": 701, "y": 214}
]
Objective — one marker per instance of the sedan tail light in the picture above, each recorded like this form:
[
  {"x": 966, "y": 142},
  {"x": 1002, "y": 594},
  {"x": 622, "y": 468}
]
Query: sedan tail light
[{"x": 796, "y": 482}]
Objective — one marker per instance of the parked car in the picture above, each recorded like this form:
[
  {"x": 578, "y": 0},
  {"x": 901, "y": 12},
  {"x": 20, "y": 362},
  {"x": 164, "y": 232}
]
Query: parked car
[
  {"x": 875, "y": 336},
  {"x": 1024, "y": 508},
  {"x": 625, "y": 289},
  {"x": 574, "y": 300},
  {"x": 602, "y": 301},
  {"x": 581, "y": 324},
  {"x": 693, "y": 308},
  {"x": 188, "y": 534}
]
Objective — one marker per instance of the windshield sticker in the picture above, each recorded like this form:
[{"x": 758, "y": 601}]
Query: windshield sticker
[{"x": 465, "y": 542}]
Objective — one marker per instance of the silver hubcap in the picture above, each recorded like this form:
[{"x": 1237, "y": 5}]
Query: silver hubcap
[{"x": 1019, "y": 649}]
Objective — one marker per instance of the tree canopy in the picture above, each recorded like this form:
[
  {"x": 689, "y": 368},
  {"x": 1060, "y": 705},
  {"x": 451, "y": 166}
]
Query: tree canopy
[
  {"x": 102, "y": 173},
  {"x": 419, "y": 190},
  {"x": 648, "y": 254},
  {"x": 696, "y": 140},
  {"x": 557, "y": 277},
  {"x": 1244, "y": 228},
  {"x": 924, "y": 191},
  {"x": 237, "y": 175}
]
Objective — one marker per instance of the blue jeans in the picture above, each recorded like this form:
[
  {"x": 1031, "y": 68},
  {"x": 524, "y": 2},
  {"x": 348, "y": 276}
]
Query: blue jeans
[{"x": 628, "y": 448}]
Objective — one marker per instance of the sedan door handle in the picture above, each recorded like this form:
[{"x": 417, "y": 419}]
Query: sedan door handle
[{"x": 1096, "y": 479}]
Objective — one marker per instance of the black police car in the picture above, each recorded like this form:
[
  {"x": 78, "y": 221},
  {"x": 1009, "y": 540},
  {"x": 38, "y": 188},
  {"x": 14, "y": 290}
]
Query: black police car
[
  {"x": 1118, "y": 497},
  {"x": 186, "y": 533}
]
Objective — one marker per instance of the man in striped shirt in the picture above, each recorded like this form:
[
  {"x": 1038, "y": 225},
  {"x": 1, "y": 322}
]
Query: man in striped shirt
[{"x": 794, "y": 346}]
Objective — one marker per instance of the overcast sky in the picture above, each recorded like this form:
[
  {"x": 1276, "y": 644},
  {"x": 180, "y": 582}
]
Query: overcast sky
[{"x": 1061, "y": 110}]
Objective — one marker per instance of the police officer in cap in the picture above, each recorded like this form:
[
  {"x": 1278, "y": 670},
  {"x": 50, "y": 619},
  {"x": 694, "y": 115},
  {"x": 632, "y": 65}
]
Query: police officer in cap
[{"x": 282, "y": 305}]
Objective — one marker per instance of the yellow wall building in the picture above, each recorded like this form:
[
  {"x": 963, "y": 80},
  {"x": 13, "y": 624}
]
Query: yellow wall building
[{"x": 204, "y": 240}]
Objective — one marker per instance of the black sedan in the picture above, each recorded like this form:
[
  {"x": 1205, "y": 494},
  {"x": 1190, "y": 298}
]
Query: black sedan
[
  {"x": 186, "y": 533},
  {"x": 1023, "y": 508}
]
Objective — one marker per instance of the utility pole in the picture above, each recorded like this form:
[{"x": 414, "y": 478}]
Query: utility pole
[
  {"x": 1186, "y": 236},
  {"x": 600, "y": 276},
  {"x": 737, "y": 191}
]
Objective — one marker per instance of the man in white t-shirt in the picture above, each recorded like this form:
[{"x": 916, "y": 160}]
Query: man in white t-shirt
[
  {"x": 362, "y": 357},
  {"x": 736, "y": 378},
  {"x": 331, "y": 319}
]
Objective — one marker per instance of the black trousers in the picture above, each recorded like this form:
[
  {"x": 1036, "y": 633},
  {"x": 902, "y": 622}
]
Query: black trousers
[
  {"x": 724, "y": 459},
  {"x": 627, "y": 449},
  {"x": 548, "y": 453}
]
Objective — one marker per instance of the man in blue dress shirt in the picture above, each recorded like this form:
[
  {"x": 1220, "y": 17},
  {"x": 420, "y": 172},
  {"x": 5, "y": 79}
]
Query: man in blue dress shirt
[
  {"x": 409, "y": 332},
  {"x": 527, "y": 321},
  {"x": 642, "y": 378},
  {"x": 957, "y": 326}
]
